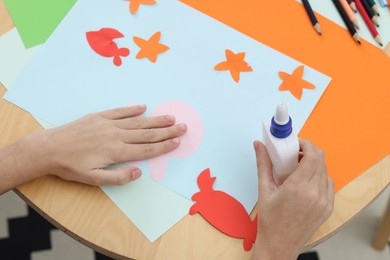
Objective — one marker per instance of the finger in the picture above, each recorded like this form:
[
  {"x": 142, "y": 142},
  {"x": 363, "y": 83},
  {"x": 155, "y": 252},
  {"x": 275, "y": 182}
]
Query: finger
[
  {"x": 330, "y": 197},
  {"x": 300, "y": 156},
  {"x": 264, "y": 169},
  {"x": 145, "y": 122},
  {"x": 123, "y": 112},
  {"x": 153, "y": 135},
  {"x": 331, "y": 192},
  {"x": 120, "y": 176},
  {"x": 135, "y": 152},
  {"x": 309, "y": 163},
  {"x": 320, "y": 180}
]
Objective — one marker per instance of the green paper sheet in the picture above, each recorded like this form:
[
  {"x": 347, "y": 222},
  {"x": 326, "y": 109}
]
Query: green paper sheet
[{"x": 37, "y": 19}]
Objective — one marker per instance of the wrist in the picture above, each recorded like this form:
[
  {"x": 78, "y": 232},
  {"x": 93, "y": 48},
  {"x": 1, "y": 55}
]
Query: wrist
[
  {"x": 34, "y": 153},
  {"x": 268, "y": 250},
  {"x": 23, "y": 161}
]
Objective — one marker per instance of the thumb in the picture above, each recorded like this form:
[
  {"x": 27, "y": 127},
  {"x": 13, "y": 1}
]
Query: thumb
[
  {"x": 118, "y": 176},
  {"x": 264, "y": 170}
]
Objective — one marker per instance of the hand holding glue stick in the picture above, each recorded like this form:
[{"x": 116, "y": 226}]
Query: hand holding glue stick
[
  {"x": 282, "y": 143},
  {"x": 295, "y": 195}
]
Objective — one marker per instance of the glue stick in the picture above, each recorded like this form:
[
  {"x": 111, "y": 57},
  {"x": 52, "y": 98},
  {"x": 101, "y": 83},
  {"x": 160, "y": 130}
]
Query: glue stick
[{"x": 282, "y": 143}]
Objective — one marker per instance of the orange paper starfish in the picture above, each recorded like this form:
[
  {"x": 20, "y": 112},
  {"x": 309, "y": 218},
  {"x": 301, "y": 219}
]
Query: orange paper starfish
[
  {"x": 150, "y": 48},
  {"x": 134, "y": 4},
  {"x": 294, "y": 82},
  {"x": 235, "y": 63}
]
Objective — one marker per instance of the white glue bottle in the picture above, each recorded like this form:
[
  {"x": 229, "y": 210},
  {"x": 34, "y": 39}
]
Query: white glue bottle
[{"x": 282, "y": 144}]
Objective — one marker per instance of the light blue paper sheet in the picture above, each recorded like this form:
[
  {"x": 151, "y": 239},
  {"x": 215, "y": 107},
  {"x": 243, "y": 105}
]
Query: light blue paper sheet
[
  {"x": 150, "y": 206},
  {"x": 13, "y": 58},
  {"x": 137, "y": 199},
  {"x": 68, "y": 80}
]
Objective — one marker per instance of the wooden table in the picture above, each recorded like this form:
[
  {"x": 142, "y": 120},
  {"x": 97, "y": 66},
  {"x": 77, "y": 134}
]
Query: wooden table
[{"x": 88, "y": 215}]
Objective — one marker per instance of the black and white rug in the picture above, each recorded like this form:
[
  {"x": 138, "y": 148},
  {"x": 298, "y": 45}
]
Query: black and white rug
[
  {"x": 31, "y": 235},
  {"x": 25, "y": 235}
]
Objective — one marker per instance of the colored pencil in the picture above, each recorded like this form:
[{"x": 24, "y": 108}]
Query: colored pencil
[
  {"x": 349, "y": 12},
  {"x": 373, "y": 6},
  {"x": 312, "y": 16},
  {"x": 347, "y": 21},
  {"x": 369, "y": 11},
  {"x": 352, "y": 5},
  {"x": 368, "y": 22}
]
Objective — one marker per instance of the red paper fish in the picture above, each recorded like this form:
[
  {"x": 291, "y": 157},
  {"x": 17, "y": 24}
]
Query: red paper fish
[
  {"x": 223, "y": 211},
  {"x": 102, "y": 43}
]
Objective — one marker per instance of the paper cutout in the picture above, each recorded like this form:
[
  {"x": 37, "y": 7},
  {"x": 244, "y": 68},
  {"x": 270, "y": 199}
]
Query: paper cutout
[
  {"x": 189, "y": 143},
  {"x": 150, "y": 48},
  {"x": 294, "y": 82},
  {"x": 223, "y": 211},
  {"x": 339, "y": 111},
  {"x": 230, "y": 117},
  {"x": 36, "y": 20},
  {"x": 235, "y": 63},
  {"x": 134, "y": 4},
  {"x": 102, "y": 43}
]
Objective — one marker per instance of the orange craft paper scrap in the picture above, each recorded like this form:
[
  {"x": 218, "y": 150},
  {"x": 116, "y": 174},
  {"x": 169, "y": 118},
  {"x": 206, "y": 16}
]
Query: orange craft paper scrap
[
  {"x": 135, "y": 4},
  {"x": 235, "y": 63},
  {"x": 294, "y": 82},
  {"x": 351, "y": 121},
  {"x": 150, "y": 48}
]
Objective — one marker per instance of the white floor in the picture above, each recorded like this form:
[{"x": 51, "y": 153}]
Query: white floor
[{"x": 352, "y": 243}]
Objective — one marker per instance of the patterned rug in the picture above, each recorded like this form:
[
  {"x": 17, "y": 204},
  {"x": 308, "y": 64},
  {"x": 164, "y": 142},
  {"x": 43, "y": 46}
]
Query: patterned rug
[{"x": 30, "y": 238}]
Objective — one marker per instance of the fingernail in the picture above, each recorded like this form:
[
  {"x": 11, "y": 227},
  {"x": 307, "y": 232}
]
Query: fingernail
[
  {"x": 256, "y": 145},
  {"x": 175, "y": 140},
  {"x": 182, "y": 127},
  {"x": 141, "y": 106},
  {"x": 170, "y": 118},
  {"x": 136, "y": 173}
]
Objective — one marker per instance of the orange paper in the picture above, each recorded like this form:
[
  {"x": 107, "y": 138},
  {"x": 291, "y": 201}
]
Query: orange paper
[
  {"x": 294, "y": 82},
  {"x": 351, "y": 121},
  {"x": 235, "y": 63},
  {"x": 150, "y": 48},
  {"x": 134, "y": 4}
]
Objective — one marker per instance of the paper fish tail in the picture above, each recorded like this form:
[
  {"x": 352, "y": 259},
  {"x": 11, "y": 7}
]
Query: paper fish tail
[
  {"x": 252, "y": 233},
  {"x": 124, "y": 52},
  {"x": 205, "y": 182},
  {"x": 194, "y": 209},
  {"x": 248, "y": 244},
  {"x": 117, "y": 60}
]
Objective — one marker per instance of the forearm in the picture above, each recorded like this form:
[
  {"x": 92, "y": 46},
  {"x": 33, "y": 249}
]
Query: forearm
[{"x": 21, "y": 162}]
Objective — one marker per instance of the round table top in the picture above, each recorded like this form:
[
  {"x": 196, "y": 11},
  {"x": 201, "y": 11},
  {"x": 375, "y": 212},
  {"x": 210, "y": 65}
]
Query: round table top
[{"x": 88, "y": 215}]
